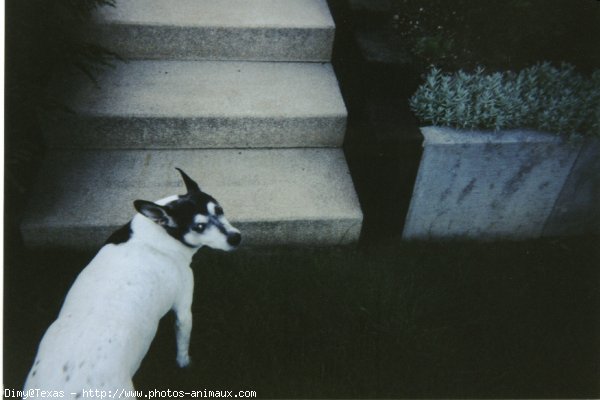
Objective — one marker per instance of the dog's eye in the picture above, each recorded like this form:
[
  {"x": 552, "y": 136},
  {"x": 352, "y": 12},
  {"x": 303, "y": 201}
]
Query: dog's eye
[
  {"x": 200, "y": 227},
  {"x": 219, "y": 210}
]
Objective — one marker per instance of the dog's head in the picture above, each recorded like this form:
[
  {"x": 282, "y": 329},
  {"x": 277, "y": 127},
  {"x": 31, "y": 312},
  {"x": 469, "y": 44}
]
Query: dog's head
[{"x": 195, "y": 219}]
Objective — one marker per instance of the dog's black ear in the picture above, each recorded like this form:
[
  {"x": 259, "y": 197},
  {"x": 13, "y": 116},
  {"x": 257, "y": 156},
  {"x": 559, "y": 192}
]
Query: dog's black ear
[
  {"x": 190, "y": 185},
  {"x": 154, "y": 212}
]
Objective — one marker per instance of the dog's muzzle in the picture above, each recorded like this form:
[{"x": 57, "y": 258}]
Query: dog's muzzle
[{"x": 234, "y": 239}]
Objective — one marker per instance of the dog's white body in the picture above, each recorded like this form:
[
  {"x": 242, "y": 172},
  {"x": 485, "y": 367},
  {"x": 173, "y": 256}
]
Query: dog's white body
[{"x": 111, "y": 313}]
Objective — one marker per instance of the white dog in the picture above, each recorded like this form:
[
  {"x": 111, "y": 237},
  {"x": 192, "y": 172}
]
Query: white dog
[{"x": 111, "y": 312}]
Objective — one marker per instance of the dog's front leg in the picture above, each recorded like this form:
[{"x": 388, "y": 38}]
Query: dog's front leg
[
  {"x": 184, "y": 330},
  {"x": 183, "y": 323}
]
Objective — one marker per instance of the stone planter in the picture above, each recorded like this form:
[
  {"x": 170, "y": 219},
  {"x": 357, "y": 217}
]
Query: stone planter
[{"x": 504, "y": 185}]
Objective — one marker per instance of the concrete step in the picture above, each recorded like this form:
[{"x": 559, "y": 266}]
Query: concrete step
[
  {"x": 202, "y": 104},
  {"x": 268, "y": 30},
  {"x": 275, "y": 197}
]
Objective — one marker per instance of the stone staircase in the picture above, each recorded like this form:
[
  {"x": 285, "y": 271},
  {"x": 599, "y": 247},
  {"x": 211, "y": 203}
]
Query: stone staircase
[{"x": 238, "y": 93}]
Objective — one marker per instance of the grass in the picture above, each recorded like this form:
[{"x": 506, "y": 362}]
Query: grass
[{"x": 388, "y": 320}]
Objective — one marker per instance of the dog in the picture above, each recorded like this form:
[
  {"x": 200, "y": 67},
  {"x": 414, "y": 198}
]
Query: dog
[{"x": 111, "y": 313}]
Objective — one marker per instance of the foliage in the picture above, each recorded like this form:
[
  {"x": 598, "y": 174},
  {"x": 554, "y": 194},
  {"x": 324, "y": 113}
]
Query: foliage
[
  {"x": 43, "y": 37},
  {"x": 499, "y": 34},
  {"x": 541, "y": 97}
]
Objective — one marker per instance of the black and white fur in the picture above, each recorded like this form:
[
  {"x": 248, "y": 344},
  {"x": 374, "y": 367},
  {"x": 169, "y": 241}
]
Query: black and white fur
[{"x": 111, "y": 313}]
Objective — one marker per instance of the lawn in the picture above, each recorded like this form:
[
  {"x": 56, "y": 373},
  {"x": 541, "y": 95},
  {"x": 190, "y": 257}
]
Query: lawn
[{"x": 395, "y": 319}]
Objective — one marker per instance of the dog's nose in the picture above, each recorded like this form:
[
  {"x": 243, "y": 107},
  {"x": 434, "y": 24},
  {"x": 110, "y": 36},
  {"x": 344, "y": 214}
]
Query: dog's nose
[{"x": 234, "y": 238}]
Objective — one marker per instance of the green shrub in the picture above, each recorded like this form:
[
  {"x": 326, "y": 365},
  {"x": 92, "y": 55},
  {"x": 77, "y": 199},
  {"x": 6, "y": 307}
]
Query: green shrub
[{"x": 541, "y": 97}]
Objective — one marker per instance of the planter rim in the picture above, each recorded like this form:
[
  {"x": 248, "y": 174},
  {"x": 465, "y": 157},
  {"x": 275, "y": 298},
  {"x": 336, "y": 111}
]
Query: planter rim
[{"x": 447, "y": 135}]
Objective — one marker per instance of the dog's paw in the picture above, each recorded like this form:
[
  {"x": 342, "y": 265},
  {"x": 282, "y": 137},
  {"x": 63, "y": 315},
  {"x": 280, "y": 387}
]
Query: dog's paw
[{"x": 183, "y": 360}]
